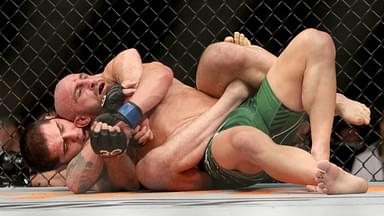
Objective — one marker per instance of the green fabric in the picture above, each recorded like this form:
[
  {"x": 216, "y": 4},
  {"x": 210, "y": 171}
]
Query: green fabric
[{"x": 265, "y": 112}]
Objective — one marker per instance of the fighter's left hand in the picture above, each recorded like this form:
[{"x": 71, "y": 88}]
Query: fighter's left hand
[{"x": 143, "y": 132}]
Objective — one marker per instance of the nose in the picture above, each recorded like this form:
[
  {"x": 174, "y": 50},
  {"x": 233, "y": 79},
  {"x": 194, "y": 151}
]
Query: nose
[{"x": 71, "y": 136}]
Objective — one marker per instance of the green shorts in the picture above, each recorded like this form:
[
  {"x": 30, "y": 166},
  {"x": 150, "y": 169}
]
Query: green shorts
[{"x": 265, "y": 112}]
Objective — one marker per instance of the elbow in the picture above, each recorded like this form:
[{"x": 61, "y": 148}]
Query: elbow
[
  {"x": 151, "y": 175},
  {"x": 167, "y": 75},
  {"x": 164, "y": 71},
  {"x": 164, "y": 74},
  {"x": 74, "y": 188}
]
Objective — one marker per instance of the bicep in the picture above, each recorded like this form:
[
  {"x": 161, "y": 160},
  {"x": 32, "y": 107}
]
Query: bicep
[{"x": 126, "y": 66}]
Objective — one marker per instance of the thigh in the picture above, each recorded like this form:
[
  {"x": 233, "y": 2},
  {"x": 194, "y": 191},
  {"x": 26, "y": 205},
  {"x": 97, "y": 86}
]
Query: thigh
[
  {"x": 230, "y": 151},
  {"x": 223, "y": 62},
  {"x": 286, "y": 75}
]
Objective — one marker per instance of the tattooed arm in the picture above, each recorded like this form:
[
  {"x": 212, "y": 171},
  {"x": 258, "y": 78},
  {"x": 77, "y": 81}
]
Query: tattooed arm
[
  {"x": 121, "y": 173},
  {"x": 84, "y": 170},
  {"x": 88, "y": 169}
]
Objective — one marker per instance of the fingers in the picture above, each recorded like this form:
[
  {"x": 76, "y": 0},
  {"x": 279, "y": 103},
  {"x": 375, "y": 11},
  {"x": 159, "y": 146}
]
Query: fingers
[
  {"x": 128, "y": 91},
  {"x": 143, "y": 134},
  {"x": 125, "y": 128},
  {"x": 145, "y": 138},
  {"x": 129, "y": 87},
  {"x": 98, "y": 126},
  {"x": 128, "y": 84}
]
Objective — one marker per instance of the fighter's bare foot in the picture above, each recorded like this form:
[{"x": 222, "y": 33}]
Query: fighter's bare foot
[
  {"x": 333, "y": 180},
  {"x": 238, "y": 38},
  {"x": 353, "y": 112}
]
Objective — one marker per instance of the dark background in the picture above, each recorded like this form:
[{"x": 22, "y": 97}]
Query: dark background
[{"x": 43, "y": 40}]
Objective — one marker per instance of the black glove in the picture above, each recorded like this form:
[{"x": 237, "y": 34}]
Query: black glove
[
  {"x": 113, "y": 100},
  {"x": 108, "y": 144},
  {"x": 110, "y": 118},
  {"x": 113, "y": 109}
]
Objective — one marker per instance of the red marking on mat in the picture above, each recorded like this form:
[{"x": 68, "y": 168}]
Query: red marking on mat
[
  {"x": 107, "y": 195},
  {"x": 43, "y": 195},
  {"x": 258, "y": 192},
  {"x": 204, "y": 192},
  {"x": 374, "y": 188}
]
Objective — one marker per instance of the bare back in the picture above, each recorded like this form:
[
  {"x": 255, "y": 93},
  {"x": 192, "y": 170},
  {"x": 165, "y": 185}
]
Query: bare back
[{"x": 181, "y": 105}]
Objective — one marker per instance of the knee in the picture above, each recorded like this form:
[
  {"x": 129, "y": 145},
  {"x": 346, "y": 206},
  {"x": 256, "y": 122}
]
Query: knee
[
  {"x": 248, "y": 142},
  {"x": 223, "y": 54},
  {"x": 318, "y": 42}
]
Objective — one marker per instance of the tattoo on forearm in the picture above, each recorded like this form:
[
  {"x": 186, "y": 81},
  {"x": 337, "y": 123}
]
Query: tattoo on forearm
[{"x": 82, "y": 171}]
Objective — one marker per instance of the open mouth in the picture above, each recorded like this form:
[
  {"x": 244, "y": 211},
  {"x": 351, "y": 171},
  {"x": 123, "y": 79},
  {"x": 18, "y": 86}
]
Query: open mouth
[{"x": 101, "y": 88}]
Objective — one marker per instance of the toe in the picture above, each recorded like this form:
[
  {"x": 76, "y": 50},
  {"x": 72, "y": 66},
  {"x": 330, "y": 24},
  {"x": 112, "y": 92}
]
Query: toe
[{"x": 228, "y": 39}]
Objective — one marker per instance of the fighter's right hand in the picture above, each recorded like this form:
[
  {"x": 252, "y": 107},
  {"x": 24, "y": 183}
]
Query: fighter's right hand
[
  {"x": 106, "y": 140},
  {"x": 116, "y": 95}
]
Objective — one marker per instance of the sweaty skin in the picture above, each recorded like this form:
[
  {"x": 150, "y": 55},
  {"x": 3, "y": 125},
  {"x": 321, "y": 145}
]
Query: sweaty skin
[
  {"x": 183, "y": 112},
  {"x": 265, "y": 162}
]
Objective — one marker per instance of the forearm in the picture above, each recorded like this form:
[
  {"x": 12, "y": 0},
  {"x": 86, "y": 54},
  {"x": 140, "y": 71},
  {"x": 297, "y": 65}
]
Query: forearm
[
  {"x": 121, "y": 173},
  {"x": 205, "y": 125},
  {"x": 181, "y": 153},
  {"x": 126, "y": 66},
  {"x": 84, "y": 170},
  {"x": 153, "y": 86}
]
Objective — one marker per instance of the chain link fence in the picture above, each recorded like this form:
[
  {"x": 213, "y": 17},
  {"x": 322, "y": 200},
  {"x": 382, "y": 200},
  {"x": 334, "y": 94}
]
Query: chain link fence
[{"x": 43, "y": 40}]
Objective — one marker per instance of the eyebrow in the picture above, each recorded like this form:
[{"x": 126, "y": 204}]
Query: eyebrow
[
  {"x": 75, "y": 95},
  {"x": 61, "y": 135}
]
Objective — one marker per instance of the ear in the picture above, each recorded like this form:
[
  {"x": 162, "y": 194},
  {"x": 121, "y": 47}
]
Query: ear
[
  {"x": 82, "y": 121},
  {"x": 49, "y": 117}
]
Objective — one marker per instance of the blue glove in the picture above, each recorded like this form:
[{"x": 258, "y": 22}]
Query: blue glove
[{"x": 129, "y": 113}]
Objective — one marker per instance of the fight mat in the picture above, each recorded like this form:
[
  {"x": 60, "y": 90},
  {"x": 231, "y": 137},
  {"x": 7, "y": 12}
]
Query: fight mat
[{"x": 261, "y": 199}]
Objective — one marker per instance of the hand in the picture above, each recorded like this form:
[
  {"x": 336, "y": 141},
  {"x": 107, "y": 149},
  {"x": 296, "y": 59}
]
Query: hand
[
  {"x": 116, "y": 95},
  {"x": 129, "y": 88},
  {"x": 106, "y": 140},
  {"x": 143, "y": 132},
  {"x": 127, "y": 130}
]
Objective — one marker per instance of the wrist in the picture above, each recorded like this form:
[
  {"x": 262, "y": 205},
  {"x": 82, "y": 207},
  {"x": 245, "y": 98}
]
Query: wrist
[
  {"x": 115, "y": 158},
  {"x": 132, "y": 113}
]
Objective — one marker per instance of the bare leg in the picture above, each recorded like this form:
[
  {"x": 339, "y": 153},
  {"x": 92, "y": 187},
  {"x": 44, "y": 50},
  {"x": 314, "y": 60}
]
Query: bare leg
[
  {"x": 304, "y": 78},
  {"x": 333, "y": 180},
  {"x": 250, "y": 63},
  {"x": 224, "y": 62},
  {"x": 250, "y": 151},
  {"x": 351, "y": 111}
]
